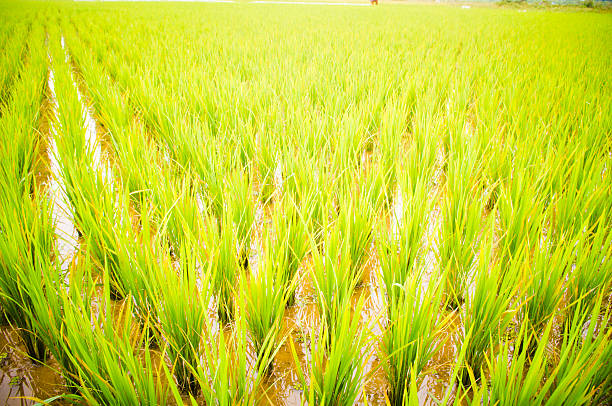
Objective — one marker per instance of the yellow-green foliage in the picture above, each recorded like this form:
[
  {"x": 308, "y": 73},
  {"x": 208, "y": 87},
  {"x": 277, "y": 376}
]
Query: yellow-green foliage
[{"x": 258, "y": 153}]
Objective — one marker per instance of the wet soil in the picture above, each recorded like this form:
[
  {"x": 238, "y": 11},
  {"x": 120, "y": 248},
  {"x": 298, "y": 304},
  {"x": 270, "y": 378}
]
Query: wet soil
[{"x": 21, "y": 380}]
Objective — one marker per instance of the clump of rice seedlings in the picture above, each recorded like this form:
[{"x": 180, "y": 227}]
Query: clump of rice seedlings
[
  {"x": 143, "y": 257},
  {"x": 245, "y": 142},
  {"x": 222, "y": 250},
  {"x": 374, "y": 183},
  {"x": 546, "y": 274},
  {"x": 516, "y": 376},
  {"x": 107, "y": 235},
  {"x": 409, "y": 340},
  {"x": 298, "y": 167},
  {"x": 333, "y": 277},
  {"x": 520, "y": 215},
  {"x": 336, "y": 364},
  {"x": 528, "y": 377},
  {"x": 139, "y": 159},
  {"x": 117, "y": 371},
  {"x": 575, "y": 379},
  {"x": 266, "y": 165},
  {"x": 591, "y": 273},
  {"x": 180, "y": 135},
  {"x": 302, "y": 208},
  {"x": 316, "y": 197},
  {"x": 239, "y": 193},
  {"x": 214, "y": 173},
  {"x": 461, "y": 221},
  {"x": 52, "y": 293},
  {"x": 27, "y": 241},
  {"x": 399, "y": 251},
  {"x": 346, "y": 145},
  {"x": 456, "y": 125},
  {"x": 266, "y": 297},
  {"x": 290, "y": 241},
  {"x": 390, "y": 141},
  {"x": 225, "y": 372},
  {"x": 307, "y": 184},
  {"x": 181, "y": 308},
  {"x": 305, "y": 179},
  {"x": 356, "y": 220},
  {"x": 498, "y": 168},
  {"x": 580, "y": 182},
  {"x": 426, "y": 126},
  {"x": 178, "y": 210},
  {"x": 487, "y": 311}
]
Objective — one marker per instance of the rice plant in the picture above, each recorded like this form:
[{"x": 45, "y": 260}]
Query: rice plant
[
  {"x": 580, "y": 182},
  {"x": 392, "y": 132},
  {"x": 399, "y": 251},
  {"x": 266, "y": 297},
  {"x": 141, "y": 259},
  {"x": 336, "y": 365},
  {"x": 222, "y": 252},
  {"x": 516, "y": 376},
  {"x": 213, "y": 180},
  {"x": 179, "y": 210},
  {"x": 590, "y": 273},
  {"x": 116, "y": 372},
  {"x": 547, "y": 272},
  {"x": 586, "y": 340},
  {"x": 520, "y": 222},
  {"x": 423, "y": 137},
  {"x": 487, "y": 311},
  {"x": 243, "y": 211},
  {"x": 181, "y": 308},
  {"x": 530, "y": 375},
  {"x": 290, "y": 242},
  {"x": 226, "y": 373},
  {"x": 26, "y": 243},
  {"x": 333, "y": 278},
  {"x": 461, "y": 221},
  {"x": 356, "y": 220},
  {"x": 266, "y": 165},
  {"x": 409, "y": 340}
]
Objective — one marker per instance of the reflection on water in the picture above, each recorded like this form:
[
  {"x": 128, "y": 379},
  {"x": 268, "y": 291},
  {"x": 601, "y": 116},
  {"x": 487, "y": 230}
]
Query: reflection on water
[{"x": 20, "y": 378}]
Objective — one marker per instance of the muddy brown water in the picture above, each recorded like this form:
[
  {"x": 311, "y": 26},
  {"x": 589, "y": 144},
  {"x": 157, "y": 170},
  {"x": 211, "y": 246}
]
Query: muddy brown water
[{"x": 22, "y": 380}]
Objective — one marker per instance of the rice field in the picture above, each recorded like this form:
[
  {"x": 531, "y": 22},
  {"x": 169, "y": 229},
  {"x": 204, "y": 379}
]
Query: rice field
[{"x": 267, "y": 204}]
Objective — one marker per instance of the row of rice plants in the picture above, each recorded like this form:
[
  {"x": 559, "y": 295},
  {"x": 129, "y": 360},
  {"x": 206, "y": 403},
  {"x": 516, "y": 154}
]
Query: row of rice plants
[{"x": 26, "y": 229}]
